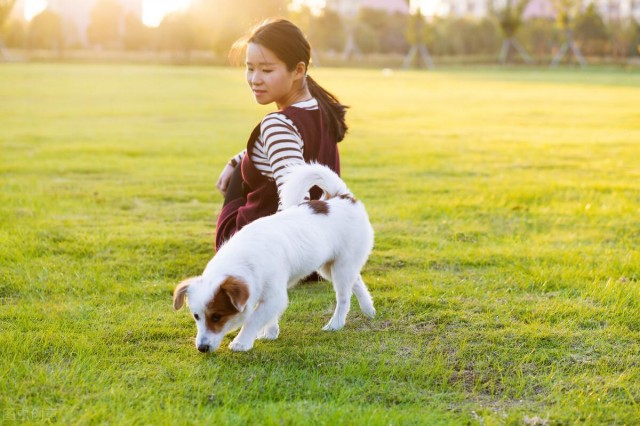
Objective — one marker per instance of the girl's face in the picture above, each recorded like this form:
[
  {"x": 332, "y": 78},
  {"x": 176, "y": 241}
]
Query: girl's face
[{"x": 269, "y": 78}]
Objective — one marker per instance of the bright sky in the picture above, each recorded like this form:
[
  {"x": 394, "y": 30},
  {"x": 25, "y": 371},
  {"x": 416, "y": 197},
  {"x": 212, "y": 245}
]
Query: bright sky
[
  {"x": 33, "y": 7},
  {"x": 315, "y": 5},
  {"x": 152, "y": 10},
  {"x": 427, "y": 7}
]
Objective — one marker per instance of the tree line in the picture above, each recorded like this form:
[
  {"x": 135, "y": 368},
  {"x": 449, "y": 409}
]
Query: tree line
[{"x": 213, "y": 25}]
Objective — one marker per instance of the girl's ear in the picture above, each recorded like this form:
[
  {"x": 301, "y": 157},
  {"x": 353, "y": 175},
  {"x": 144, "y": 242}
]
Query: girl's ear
[{"x": 301, "y": 70}]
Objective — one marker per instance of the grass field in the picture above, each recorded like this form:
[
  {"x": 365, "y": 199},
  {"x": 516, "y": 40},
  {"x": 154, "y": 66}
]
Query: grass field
[{"x": 506, "y": 272}]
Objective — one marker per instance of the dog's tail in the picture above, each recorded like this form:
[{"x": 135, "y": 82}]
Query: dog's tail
[{"x": 303, "y": 177}]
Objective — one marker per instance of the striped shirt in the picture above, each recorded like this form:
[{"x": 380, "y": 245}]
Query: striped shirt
[{"x": 278, "y": 146}]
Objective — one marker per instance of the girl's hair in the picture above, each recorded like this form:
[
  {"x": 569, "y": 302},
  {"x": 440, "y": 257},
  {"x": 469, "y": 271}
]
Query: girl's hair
[{"x": 290, "y": 45}]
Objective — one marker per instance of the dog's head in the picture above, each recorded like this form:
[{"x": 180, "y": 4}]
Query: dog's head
[{"x": 217, "y": 308}]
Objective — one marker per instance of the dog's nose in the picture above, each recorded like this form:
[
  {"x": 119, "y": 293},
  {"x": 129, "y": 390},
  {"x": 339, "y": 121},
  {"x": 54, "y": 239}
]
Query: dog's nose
[{"x": 203, "y": 348}]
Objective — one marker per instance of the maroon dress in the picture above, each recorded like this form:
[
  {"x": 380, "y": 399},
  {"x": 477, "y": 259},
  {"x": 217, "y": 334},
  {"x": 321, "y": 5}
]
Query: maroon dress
[{"x": 261, "y": 193}]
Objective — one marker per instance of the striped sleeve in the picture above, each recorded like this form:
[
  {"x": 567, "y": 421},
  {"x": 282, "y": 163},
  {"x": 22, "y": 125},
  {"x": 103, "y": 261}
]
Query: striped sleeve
[
  {"x": 282, "y": 145},
  {"x": 237, "y": 159}
]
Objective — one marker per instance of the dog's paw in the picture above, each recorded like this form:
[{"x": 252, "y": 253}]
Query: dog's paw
[
  {"x": 369, "y": 312},
  {"x": 269, "y": 333},
  {"x": 333, "y": 325},
  {"x": 240, "y": 347}
]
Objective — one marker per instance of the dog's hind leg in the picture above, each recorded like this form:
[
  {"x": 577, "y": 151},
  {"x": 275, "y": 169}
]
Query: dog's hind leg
[
  {"x": 325, "y": 271},
  {"x": 343, "y": 278},
  {"x": 364, "y": 298}
]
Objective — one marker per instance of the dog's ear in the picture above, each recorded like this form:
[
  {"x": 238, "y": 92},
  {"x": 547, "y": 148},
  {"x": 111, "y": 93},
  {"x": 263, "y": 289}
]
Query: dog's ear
[
  {"x": 238, "y": 292},
  {"x": 181, "y": 291}
]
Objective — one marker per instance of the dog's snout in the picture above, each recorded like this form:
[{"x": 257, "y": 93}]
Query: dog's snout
[{"x": 203, "y": 348}]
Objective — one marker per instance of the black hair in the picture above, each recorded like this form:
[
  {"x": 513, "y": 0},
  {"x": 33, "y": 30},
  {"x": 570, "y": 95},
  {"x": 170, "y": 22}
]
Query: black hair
[{"x": 290, "y": 45}]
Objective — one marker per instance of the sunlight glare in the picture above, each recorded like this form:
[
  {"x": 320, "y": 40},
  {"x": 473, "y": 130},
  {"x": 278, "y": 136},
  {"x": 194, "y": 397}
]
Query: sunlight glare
[
  {"x": 33, "y": 7},
  {"x": 153, "y": 11},
  {"x": 427, "y": 7},
  {"x": 315, "y": 6}
]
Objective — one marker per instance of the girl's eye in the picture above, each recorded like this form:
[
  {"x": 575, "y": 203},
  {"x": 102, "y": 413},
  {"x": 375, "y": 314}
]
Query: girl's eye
[
  {"x": 215, "y": 318},
  {"x": 196, "y": 317},
  {"x": 266, "y": 71}
]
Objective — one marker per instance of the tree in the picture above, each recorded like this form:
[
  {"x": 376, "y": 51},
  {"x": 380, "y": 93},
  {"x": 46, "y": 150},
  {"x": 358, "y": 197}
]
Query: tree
[
  {"x": 105, "y": 26},
  {"x": 510, "y": 19},
  {"x": 5, "y": 10},
  {"x": 243, "y": 12},
  {"x": 303, "y": 18},
  {"x": 310, "y": 25},
  {"x": 566, "y": 11},
  {"x": 388, "y": 30},
  {"x": 351, "y": 47},
  {"x": 218, "y": 23},
  {"x": 635, "y": 38},
  {"x": 213, "y": 27},
  {"x": 327, "y": 31},
  {"x": 635, "y": 28},
  {"x": 45, "y": 32},
  {"x": 366, "y": 38},
  {"x": 591, "y": 31},
  {"x": 15, "y": 33},
  {"x": 136, "y": 35},
  {"x": 539, "y": 36},
  {"x": 176, "y": 34},
  {"x": 415, "y": 34},
  {"x": 253, "y": 12}
]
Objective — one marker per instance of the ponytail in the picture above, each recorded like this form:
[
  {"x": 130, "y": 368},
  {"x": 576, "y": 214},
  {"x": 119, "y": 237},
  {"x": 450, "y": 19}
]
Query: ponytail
[{"x": 332, "y": 110}]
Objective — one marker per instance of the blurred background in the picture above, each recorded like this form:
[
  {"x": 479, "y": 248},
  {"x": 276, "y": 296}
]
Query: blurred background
[{"x": 380, "y": 33}]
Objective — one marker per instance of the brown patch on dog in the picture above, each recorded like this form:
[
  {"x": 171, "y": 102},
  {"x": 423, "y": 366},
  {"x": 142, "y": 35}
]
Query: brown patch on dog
[
  {"x": 319, "y": 206},
  {"x": 230, "y": 299},
  {"x": 238, "y": 292},
  {"x": 348, "y": 197},
  {"x": 181, "y": 291}
]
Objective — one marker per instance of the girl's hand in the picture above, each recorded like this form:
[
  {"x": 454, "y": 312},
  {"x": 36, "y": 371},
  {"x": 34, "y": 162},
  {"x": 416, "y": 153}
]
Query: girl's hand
[{"x": 225, "y": 177}]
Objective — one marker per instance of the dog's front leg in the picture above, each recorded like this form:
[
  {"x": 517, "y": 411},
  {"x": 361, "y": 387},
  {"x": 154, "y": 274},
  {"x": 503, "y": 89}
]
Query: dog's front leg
[
  {"x": 270, "y": 331},
  {"x": 265, "y": 314}
]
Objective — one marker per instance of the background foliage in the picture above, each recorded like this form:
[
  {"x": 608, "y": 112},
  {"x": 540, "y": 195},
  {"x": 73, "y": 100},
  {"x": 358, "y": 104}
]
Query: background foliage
[{"x": 213, "y": 26}]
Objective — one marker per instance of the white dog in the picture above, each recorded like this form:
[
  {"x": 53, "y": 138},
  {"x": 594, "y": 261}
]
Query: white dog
[{"x": 245, "y": 284}]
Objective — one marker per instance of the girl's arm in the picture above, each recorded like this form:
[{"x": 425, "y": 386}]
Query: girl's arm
[
  {"x": 283, "y": 146},
  {"x": 223, "y": 180}
]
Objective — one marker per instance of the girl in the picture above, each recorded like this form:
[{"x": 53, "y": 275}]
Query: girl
[{"x": 307, "y": 126}]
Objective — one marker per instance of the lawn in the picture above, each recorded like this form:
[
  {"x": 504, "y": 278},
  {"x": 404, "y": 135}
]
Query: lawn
[{"x": 506, "y": 272}]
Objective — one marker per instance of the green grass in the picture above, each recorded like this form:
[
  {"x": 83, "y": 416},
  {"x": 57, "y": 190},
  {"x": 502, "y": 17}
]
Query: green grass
[{"x": 506, "y": 272}]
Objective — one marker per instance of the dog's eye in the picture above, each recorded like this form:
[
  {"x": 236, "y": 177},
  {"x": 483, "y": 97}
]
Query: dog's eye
[
  {"x": 196, "y": 317},
  {"x": 215, "y": 318}
]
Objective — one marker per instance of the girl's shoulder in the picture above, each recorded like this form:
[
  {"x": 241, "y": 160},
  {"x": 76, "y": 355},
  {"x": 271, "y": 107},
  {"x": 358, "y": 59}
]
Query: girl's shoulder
[
  {"x": 277, "y": 120},
  {"x": 308, "y": 104},
  {"x": 287, "y": 117}
]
